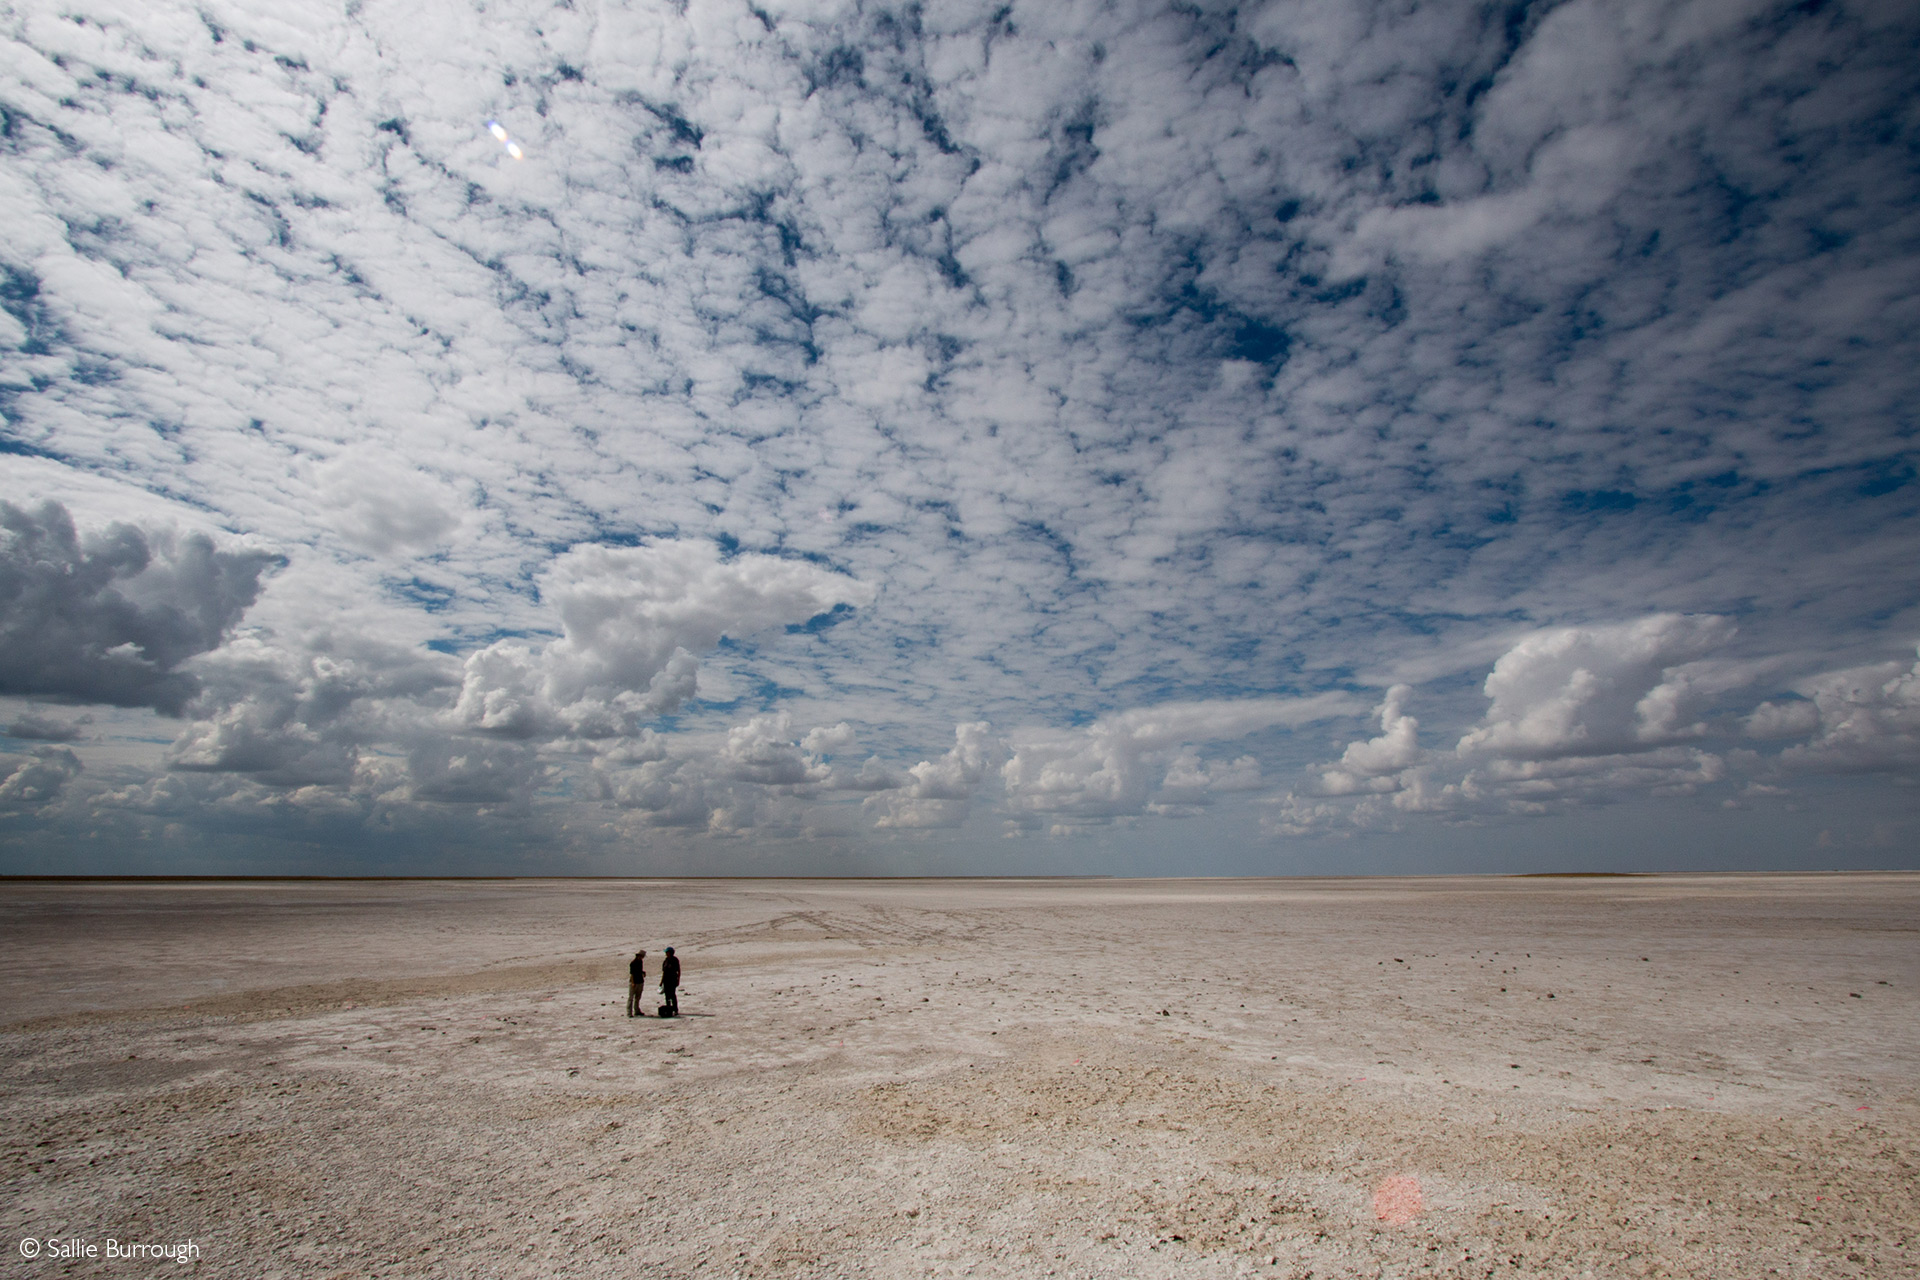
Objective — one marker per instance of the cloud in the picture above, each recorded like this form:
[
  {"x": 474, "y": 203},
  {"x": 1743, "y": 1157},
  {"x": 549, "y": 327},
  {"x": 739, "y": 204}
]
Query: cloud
[
  {"x": 301, "y": 709},
  {"x": 667, "y": 792},
  {"x": 935, "y": 793},
  {"x": 763, "y": 751},
  {"x": 1115, "y": 766},
  {"x": 1191, "y": 780},
  {"x": 874, "y": 774},
  {"x": 1868, "y": 721},
  {"x": 1372, "y": 764},
  {"x": 382, "y": 505},
  {"x": 34, "y": 725},
  {"x": 1534, "y": 785},
  {"x": 634, "y": 620},
  {"x": 1782, "y": 720},
  {"x": 754, "y": 776},
  {"x": 1575, "y": 716},
  {"x": 110, "y": 618},
  {"x": 1594, "y": 691},
  {"x": 37, "y": 780},
  {"x": 1571, "y": 177},
  {"x": 1043, "y": 363},
  {"x": 474, "y": 771},
  {"x": 265, "y": 736}
]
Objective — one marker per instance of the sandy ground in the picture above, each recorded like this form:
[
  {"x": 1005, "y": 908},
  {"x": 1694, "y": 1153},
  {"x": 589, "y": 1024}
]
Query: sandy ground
[{"x": 1673, "y": 1076}]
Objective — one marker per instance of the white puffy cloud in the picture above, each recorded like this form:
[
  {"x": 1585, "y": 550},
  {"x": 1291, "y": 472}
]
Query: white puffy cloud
[
  {"x": 826, "y": 739},
  {"x": 1868, "y": 721},
  {"x": 935, "y": 793},
  {"x": 1533, "y": 785},
  {"x": 668, "y": 792},
  {"x": 1116, "y": 765},
  {"x": 1595, "y": 691},
  {"x": 384, "y": 506},
  {"x": 1373, "y": 763},
  {"x": 1575, "y": 716},
  {"x": 634, "y": 620},
  {"x": 763, "y": 750},
  {"x": 474, "y": 771},
  {"x": 756, "y": 776},
  {"x": 1189, "y": 779},
  {"x": 874, "y": 774}
]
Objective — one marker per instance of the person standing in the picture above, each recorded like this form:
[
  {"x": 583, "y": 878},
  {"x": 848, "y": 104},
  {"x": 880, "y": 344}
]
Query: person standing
[
  {"x": 670, "y": 985},
  {"x": 636, "y": 985}
]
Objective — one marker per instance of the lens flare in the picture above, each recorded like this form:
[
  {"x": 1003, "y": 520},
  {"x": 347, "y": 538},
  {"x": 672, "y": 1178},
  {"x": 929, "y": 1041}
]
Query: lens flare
[{"x": 499, "y": 131}]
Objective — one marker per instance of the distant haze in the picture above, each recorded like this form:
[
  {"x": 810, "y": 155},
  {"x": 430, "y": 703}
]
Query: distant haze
[{"x": 832, "y": 439}]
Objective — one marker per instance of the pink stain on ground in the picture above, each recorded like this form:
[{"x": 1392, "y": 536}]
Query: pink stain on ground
[{"x": 1397, "y": 1200}]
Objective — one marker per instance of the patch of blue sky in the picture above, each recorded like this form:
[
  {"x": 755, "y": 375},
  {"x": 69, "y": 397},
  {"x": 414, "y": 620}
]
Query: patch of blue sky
[
  {"x": 430, "y": 597},
  {"x": 822, "y": 622}
]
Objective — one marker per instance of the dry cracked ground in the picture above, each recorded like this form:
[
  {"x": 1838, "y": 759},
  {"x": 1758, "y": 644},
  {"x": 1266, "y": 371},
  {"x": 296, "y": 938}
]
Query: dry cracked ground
[{"x": 1556, "y": 1077}]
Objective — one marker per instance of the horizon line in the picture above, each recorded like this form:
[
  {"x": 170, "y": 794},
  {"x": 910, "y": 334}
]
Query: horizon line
[{"x": 1429, "y": 875}]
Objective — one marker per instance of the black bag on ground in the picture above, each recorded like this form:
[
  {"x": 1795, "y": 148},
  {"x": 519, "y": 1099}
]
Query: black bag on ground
[{"x": 664, "y": 1013}]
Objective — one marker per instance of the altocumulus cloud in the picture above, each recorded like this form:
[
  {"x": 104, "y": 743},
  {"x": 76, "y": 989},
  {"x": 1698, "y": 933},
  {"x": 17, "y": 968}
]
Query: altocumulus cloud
[{"x": 890, "y": 429}]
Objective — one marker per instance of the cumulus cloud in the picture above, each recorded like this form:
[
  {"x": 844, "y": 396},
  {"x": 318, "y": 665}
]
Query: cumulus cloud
[
  {"x": 301, "y": 710},
  {"x": 763, "y": 751},
  {"x": 634, "y": 620},
  {"x": 1868, "y": 721},
  {"x": 935, "y": 793},
  {"x": 111, "y": 617},
  {"x": 1575, "y": 716},
  {"x": 37, "y": 780},
  {"x": 1189, "y": 779},
  {"x": 473, "y": 771},
  {"x": 756, "y": 776},
  {"x": 36, "y": 725},
  {"x": 1530, "y": 785},
  {"x": 874, "y": 774},
  {"x": 751, "y": 780},
  {"x": 1372, "y": 764},
  {"x": 382, "y": 505},
  {"x": 1593, "y": 691},
  {"x": 1115, "y": 765}
]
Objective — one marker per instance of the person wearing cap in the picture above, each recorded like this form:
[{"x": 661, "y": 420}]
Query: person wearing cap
[
  {"x": 670, "y": 985},
  {"x": 636, "y": 984}
]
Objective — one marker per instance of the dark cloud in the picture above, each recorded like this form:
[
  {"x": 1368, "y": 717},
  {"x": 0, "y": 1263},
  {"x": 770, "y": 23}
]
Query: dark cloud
[
  {"x": 37, "y": 726},
  {"x": 110, "y": 618}
]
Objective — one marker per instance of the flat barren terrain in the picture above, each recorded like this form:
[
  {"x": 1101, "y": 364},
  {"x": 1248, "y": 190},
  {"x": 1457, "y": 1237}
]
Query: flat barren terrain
[{"x": 1713, "y": 1076}]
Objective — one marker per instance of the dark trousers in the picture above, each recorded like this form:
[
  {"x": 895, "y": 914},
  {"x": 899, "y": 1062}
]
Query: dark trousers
[{"x": 672, "y": 997}]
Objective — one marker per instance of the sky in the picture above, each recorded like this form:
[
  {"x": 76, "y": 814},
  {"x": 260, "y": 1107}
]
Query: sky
[{"x": 948, "y": 438}]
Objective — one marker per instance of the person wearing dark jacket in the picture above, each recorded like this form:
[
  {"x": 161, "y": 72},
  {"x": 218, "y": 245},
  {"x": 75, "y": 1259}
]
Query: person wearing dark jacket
[
  {"x": 636, "y": 985},
  {"x": 670, "y": 985}
]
